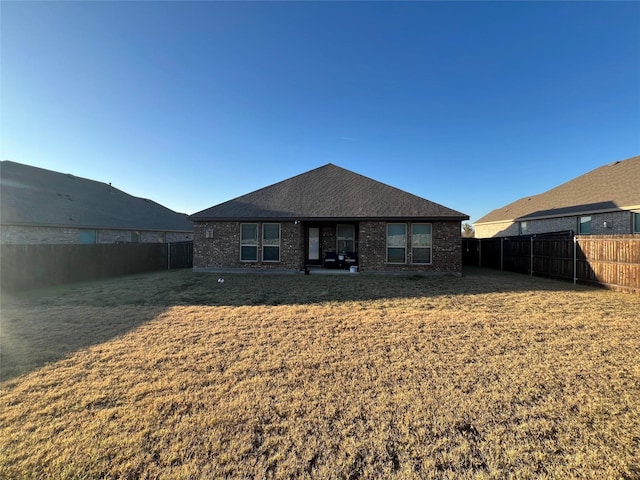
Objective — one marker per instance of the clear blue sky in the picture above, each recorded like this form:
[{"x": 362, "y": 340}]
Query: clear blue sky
[{"x": 471, "y": 105}]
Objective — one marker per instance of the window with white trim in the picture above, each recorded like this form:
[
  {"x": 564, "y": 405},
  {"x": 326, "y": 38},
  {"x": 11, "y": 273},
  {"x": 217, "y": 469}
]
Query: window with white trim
[
  {"x": 248, "y": 242},
  {"x": 523, "y": 228},
  {"x": 270, "y": 242},
  {"x": 396, "y": 243},
  {"x": 421, "y": 243},
  {"x": 584, "y": 227}
]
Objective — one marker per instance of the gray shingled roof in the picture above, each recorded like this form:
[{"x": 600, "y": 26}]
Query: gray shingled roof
[
  {"x": 328, "y": 193},
  {"x": 612, "y": 187},
  {"x": 38, "y": 197}
]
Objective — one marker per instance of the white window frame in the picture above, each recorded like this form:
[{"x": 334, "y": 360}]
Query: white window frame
[
  {"x": 404, "y": 247},
  {"x": 422, "y": 247},
  {"x": 249, "y": 243},
  {"x": 268, "y": 245}
]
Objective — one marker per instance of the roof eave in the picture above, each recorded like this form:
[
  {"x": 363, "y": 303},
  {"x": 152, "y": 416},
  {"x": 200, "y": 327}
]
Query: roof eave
[
  {"x": 433, "y": 218},
  {"x": 577, "y": 213},
  {"x": 91, "y": 227},
  {"x": 561, "y": 215}
]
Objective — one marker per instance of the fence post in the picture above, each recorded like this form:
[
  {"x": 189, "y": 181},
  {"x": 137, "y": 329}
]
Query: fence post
[
  {"x": 168, "y": 256},
  {"x": 531, "y": 269},
  {"x": 501, "y": 253},
  {"x": 480, "y": 252},
  {"x": 575, "y": 259}
]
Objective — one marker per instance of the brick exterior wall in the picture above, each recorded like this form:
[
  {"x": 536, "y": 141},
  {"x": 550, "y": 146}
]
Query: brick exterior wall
[
  {"x": 446, "y": 254},
  {"x": 217, "y": 245},
  {"x": 221, "y": 248},
  {"x": 11, "y": 234},
  {"x": 618, "y": 223}
]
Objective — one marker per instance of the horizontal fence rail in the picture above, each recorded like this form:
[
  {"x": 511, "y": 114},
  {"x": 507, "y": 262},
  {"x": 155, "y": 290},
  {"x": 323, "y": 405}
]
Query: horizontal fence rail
[
  {"x": 612, "y": 261},
  {"x": 25, "y": 267}
]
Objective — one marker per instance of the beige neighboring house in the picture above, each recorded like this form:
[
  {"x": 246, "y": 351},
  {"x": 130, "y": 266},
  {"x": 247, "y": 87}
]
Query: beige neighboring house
[
  {"x": 604, "y": 201},
  {"x": 41, "y": 206}
]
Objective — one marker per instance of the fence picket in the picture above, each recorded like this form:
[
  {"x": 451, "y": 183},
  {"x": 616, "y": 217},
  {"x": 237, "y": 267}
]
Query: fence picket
[
  {"x": 608, "y": 260},
  {"x": 31, "y": 266}
]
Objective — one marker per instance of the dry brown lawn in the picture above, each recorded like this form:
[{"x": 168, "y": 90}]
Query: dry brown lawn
[{"x": 173, "y": 375}]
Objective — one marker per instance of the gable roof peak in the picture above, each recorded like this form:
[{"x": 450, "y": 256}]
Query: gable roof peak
[{"x": 327, "y": 192}]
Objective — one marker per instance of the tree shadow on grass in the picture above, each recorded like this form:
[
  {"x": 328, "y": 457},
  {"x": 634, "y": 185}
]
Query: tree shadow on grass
[{"x": 45, "y": 325}]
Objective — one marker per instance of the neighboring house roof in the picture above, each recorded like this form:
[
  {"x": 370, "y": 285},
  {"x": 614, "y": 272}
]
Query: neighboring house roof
[
  {"x": 37, "y": 197},
  {"x": 327, "y": 193},
  {"x": 612, "y": 187}
]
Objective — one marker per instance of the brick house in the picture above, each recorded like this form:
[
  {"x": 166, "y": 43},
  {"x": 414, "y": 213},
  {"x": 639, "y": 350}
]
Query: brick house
[
  {"x": 329, "y": 217},
  {"x": 41, "y": 206},
  {"x": 604, "y": 201}
]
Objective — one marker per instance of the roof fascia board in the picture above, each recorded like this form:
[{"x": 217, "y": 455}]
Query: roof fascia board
[
  {"x": 328, "y": 219},
  {"x": 560, "y": 215},
  {"x": 577, "y": 213}
]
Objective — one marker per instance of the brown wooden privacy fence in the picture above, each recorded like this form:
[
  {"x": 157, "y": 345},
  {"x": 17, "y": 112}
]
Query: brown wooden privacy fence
[
  {"x": 612, "y": 261},
  {"x": 30, "y": 266}
]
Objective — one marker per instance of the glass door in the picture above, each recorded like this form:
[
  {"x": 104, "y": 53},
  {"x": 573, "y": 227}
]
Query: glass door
[{"x": 313, "y": 242}]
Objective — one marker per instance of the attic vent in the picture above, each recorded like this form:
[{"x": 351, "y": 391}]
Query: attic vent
[
  {"x": 614, "y": 163},
  {"x": 70, "y": 176}
]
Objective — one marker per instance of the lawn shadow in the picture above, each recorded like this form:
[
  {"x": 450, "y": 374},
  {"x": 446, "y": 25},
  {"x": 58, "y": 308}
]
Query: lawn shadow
[
  {"x": 46, "y": 325},
  {"x": 240, "y": 289}
]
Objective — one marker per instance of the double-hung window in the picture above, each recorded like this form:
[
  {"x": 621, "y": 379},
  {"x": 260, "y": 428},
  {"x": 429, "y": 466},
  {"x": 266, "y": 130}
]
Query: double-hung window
[
  {"x": 396, "y": 243},
  {"x": 584, "y": 227},
  {"x": 248, "y": 242},
  {"x": 421, "y": 243},
  {"x": 271, "y": 242}
]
